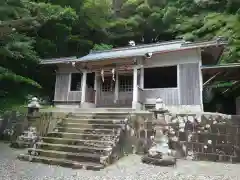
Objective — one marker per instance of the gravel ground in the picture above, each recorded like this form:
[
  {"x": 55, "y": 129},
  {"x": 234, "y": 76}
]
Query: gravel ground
[{"x": 129, "y": 168}]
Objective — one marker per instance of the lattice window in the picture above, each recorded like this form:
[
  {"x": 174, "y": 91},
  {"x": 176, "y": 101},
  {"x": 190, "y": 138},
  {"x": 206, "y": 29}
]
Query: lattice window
[
  {"x": 107, "y": 85},
  {"x": 125, "y": 83}
]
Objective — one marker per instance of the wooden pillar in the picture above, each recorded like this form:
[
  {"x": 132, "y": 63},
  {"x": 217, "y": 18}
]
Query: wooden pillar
[
  {"x": 84, "y": 87},
  {"x": 116, "y": 93},
  {"x": 96, "y": 87},
  {"x": 178, "y": 84},
  {"x": 201, "y": 85},
  {"x": 135, "y": 89},
  {"x": 200, "y": 79},
  {"x": 142, "y": 77}
]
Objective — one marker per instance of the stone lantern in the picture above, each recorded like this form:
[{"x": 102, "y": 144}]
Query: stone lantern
[
  {"x": 160, "y": 108},
  {"x": 159, "y": 104},
  {"x": 33, "y": 106}
]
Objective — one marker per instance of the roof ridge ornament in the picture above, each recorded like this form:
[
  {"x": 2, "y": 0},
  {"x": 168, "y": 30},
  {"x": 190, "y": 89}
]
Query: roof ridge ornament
[
  {"x": 73, "y": 63},
  {"x": 221, "y": 39},
  {"x": 132, "y": 43}
]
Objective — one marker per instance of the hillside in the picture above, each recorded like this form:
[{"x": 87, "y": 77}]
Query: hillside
[{"x": 53, "y": 28}]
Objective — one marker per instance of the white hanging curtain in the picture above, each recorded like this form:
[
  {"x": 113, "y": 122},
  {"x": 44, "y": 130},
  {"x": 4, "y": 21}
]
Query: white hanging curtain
[
  {"x": 102, "y": 75},
  {"x": 113, "y": 74}
]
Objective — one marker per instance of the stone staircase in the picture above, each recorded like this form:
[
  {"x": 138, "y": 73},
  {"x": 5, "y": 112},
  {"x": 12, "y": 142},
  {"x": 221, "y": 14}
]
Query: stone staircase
[{"x": 90, "y": 140}]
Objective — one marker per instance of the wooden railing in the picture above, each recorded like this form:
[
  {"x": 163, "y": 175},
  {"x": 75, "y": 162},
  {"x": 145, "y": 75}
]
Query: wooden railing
[
  {"x": 108, "y": 99},
  {"x": 169, "y": 95},
  {"x": 125, "y": 98},
  {"x": 74, "y": 96}
]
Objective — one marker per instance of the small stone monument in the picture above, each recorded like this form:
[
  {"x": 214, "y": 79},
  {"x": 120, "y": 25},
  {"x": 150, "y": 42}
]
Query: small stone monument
[
  {"x": 161, "y": 144},
  {"x": 27, "y": 139},
  {"x": 160, "y": 153}
]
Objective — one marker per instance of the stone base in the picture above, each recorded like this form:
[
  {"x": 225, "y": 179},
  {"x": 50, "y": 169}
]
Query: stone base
[
  {"x": 177, "y": 108},
  {"x": 65, "y": 106},
  {"x": 61, "y": 162},
  {"x": 137, "y": 106},
  {"x": 184, "y": 108},
  {"x": 164, "y": 161},
  {"x": 87, "y": 105}
]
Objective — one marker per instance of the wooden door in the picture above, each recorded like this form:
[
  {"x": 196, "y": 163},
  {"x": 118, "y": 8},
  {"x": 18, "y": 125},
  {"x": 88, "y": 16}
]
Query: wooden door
[{"x": 107, "y": 92}]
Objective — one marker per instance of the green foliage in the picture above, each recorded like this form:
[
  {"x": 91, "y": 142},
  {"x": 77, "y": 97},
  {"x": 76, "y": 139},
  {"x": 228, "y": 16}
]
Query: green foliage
[
  {"x": 16, "y": 48},
  {"x": 100, "y": 47},
  {"x": 20, "y": 22},
  {"x": 33, "y": 29},
  {"x": 97, "y": 12},
  {"x": 160, "y": 20},
  {"x": 7, "y": 75},
  {"x": 214, "y": 25}
]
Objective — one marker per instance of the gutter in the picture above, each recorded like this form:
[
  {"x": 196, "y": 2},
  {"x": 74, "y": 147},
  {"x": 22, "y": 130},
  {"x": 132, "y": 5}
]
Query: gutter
[{"x": 232, "y": 65}]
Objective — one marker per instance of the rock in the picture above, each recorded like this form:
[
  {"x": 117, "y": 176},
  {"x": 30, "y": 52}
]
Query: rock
[
  {"x": 27, "y": 139},
  {"x": 164, "y": 161}
]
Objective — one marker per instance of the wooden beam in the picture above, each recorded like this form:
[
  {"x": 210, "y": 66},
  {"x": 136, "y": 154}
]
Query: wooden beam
[
  {"x": 235, "y": 83},
  {"x": 210, "y": 79}
]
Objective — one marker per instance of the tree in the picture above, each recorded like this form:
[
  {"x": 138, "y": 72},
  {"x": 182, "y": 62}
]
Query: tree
[
  {"x": 33, "y": 29},
  {"x": 20, "y": 20},
  {"x": 147, "y": 21}
]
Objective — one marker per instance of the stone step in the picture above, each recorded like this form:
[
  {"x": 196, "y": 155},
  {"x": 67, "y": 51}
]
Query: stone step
[
  {"x": 81, "y": 136},
  {"x": 105, "y": 109},
  {"x": 82, "y": 139},
  {"x": 90, "y": 130},
  {"x": 62, "y": 162},
  {"x": 72, "y": 148},
  {"x": 90, "y": 126},
  {"x": 95, "y": 110},
  {"x": 79, "y": 157},
  {"x": 92, "y": 112},
  {"x": 100, "y": 115},
  {"x": 81, "y": 116},
  {"x": 92, "y": 121},
  {"x": 79, "y": 142}
]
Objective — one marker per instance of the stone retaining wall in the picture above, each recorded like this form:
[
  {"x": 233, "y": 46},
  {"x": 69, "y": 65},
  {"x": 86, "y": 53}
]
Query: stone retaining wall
[
  {"x": 140, "y": 132},
  {"x": 203, "y": 136},
  {"x": 14, "y": 123}
]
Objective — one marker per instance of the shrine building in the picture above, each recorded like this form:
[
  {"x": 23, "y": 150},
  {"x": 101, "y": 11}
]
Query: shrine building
[{"x": 135, "y": 76}]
